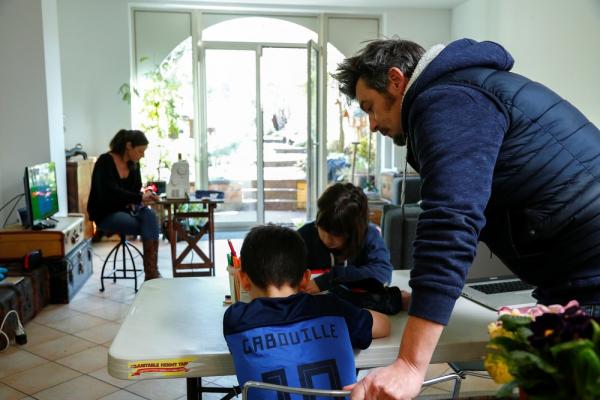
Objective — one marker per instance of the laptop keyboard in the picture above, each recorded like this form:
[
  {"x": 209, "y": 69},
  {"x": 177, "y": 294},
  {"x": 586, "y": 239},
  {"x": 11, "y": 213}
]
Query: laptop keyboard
[{"x": 502, "y": 287}]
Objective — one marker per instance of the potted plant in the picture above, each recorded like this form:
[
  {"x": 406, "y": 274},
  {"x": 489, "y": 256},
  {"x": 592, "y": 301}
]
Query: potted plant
[{"x": 546, "y": 352}]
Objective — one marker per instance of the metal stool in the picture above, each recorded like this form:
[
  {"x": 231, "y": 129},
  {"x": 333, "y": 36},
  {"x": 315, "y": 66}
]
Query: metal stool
[{"x": 127, "y": 273}]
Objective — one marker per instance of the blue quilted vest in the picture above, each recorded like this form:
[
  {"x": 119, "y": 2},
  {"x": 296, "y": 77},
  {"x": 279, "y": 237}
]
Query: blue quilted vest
[{"x": 543, "y": 217}]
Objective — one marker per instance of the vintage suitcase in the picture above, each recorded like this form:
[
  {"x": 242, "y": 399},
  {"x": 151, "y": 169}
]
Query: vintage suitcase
[
  {"x": 69, "y": 274},
  {"x": 40, "y": 282},
  {"x": 18, "y": 297},
  {"x": 16, "y": 241}
]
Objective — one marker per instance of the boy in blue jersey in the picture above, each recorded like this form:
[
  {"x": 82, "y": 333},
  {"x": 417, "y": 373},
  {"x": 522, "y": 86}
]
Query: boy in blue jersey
[{"x": 287, "y": 337}]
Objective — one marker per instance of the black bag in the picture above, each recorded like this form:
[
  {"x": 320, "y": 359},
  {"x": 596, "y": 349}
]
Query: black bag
[{"x": 371, "y": 294}]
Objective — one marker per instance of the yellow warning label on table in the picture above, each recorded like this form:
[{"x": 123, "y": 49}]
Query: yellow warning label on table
[{"x": 165, "y": 367}]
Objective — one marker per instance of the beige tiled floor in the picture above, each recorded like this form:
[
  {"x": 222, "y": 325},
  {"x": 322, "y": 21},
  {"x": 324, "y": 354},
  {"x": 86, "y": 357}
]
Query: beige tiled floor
[{"x": 66, "y": 354}]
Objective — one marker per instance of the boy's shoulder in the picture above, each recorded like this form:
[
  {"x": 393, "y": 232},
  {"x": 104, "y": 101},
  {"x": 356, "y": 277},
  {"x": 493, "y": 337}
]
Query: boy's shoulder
[{"x": 278, "y": 311}]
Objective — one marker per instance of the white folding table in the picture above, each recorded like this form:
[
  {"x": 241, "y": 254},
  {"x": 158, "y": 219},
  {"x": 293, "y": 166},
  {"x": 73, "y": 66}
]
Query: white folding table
[{"x": 174, "y": 329}]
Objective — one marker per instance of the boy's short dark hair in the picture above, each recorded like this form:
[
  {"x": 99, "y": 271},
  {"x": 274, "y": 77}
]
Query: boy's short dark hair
[{"x": 273, "y": 255}]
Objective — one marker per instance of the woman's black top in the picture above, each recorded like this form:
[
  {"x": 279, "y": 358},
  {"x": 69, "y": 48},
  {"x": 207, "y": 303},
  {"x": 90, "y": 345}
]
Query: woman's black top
[{"x": 111, "y": 193}]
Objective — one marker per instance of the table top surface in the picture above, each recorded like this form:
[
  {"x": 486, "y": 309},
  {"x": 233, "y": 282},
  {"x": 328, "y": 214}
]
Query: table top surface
[
  {"x": 174, "y": 329},
  {"x": 189, "y": 199}
]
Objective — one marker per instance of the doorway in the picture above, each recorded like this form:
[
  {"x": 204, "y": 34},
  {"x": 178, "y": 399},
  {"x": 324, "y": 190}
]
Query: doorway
[{"x": 261, "y": 128}]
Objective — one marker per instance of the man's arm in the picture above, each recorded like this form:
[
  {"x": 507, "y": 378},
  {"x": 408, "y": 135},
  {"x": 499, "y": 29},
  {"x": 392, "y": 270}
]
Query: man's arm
[{"x": 403, "y": 378}]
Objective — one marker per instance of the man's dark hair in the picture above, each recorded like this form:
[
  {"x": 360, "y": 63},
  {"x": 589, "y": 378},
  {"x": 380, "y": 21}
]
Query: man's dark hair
[
  {"x": 118, "y": 144},
  {"x": 273, "y": 255},
  {"x": 373, "y": 62},
  {"x": 343, "y": 211}
]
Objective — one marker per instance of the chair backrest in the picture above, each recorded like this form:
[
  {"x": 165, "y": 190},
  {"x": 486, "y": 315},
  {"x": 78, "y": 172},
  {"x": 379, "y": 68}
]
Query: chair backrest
[
  {"x": 412, "y": 191},
  {"x": 399, "y": 229},
  {"x": 315, "y": 353},
  {"x": 306, "y": 392}
]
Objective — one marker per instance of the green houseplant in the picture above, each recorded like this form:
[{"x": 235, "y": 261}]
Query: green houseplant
[{"x": 547, "y": 352}]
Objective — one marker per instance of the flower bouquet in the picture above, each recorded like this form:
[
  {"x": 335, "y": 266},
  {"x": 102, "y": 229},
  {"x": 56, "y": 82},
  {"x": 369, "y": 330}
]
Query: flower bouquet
[{"x": 547, "y": 352}]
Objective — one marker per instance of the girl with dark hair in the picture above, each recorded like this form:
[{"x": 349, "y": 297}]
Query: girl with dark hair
[
  {"x": 117, "y": 204},
  {"x": 342, "y": 241}
]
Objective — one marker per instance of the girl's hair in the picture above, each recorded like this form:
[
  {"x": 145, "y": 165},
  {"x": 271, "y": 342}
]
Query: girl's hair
[
  {"x": 118, "y": 144},
  {"x": 343, "y": 211}
]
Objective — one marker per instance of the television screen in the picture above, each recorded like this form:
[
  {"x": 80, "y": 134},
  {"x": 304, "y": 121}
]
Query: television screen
[{"x": 41, "y": 191}]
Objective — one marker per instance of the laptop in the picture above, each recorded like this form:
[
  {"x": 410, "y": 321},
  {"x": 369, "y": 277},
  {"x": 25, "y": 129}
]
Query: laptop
[{"x": 491, "y": 284}]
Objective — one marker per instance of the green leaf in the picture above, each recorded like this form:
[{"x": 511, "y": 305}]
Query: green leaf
[
  {"x": 573, "y": 345},
  {"x": 508, "y": 344},
  {"x": 507, "y": 390},
  {"x": 512, "y": 322},
  {"x": 586, "y": 371},
  {"x": 523, "y": 358},
  {"x": 596, "y": 334}
]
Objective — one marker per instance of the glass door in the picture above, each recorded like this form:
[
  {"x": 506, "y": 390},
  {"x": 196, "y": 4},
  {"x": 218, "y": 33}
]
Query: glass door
[
  {"x": 231, "y": 133},
  {"x": 261, "y": 145},
  {"x": 283, "y": 96},
  {"x": 313, "y": 128}
]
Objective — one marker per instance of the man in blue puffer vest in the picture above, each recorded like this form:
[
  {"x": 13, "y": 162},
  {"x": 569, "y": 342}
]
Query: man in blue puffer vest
[{"x": 503, "y": 159}]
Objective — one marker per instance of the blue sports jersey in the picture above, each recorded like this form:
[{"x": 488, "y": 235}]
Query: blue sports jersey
[{"x": 300, "y": 340}]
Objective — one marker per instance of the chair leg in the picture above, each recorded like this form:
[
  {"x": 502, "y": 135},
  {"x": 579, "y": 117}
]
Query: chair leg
[
  {"x": 127, "y": 246},
  {"x": 450, "y": 377},
  {"x": 114, "y": 249}
]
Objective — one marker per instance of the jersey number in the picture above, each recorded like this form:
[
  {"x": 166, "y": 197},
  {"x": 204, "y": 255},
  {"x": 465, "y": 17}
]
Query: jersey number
[{"x": 306, "y": 372}]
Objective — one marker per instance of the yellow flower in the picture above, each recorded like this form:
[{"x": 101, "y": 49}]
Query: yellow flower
[
  {"x": 495, "y": 330},
  {"x": 497, "y": 367}
]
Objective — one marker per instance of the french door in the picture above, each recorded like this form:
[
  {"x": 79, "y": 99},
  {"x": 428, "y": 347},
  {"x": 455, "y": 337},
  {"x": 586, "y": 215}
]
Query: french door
[{"x": 258, "y": 108}]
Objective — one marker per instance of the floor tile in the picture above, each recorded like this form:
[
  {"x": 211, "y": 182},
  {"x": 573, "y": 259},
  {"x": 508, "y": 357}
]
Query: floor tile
[
  {"x": 101, "y": 333},
  {"x": 76, "y": 323},
  {"x": 112, "y": 310},
  {"x": 54, "y": 312},
  {"x": 17, "y": 361},
  {"x": 159, "y": 389},
  {"x": 39, "y": 378},
  {"x": 226, "y": 381},
  {"x": 123, "y": 395},
  {"x": 103, "y": 375},
  {"x": 87, "y": 360},
  {"x": 210, "y": 396},
  {"x": 80, "y": 388},
  {"x": 8, "y": 393},
  {"x": 61, "y": 347},
  {"x": 39, "y": 334},
  {"x": 84, "y": 302}
]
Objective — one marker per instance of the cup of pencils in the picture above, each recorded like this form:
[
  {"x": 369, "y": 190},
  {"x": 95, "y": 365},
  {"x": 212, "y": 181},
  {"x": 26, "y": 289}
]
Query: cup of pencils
[{"x": 233, "y": 268}]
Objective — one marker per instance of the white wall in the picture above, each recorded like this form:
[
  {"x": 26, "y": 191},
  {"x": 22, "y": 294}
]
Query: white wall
[
  {"x": 426, "y": 27},
  {"x": 553, "y": 42},
  {"x": 30, "y": 98},
  {"x": 95, "y": 56},
  {"x": 95, "y": 59}
]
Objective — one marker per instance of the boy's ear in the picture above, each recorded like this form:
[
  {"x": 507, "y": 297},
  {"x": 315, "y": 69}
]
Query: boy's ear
[
  {"x": 305, "y": 279},
  {"x": 245, "y": 281}
]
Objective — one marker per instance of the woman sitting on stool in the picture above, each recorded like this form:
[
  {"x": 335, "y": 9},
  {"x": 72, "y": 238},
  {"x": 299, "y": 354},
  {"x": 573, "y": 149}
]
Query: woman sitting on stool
[{"x": 116, "y": 203}]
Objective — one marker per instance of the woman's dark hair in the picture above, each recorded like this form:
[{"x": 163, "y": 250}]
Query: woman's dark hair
[
  {"x": 273, "y": 255},
  {"x": 118, "y": 144},
  {"x": 343, "y": 211},
  {"x": 373, "y": 62}
]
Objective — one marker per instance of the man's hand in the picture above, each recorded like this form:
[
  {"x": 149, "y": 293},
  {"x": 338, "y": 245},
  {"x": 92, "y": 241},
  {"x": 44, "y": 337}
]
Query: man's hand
[
  {"x": 403, "y": 379},
  {"x": 312, "y": 287},
  {"x": 400, "y": 380}
]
